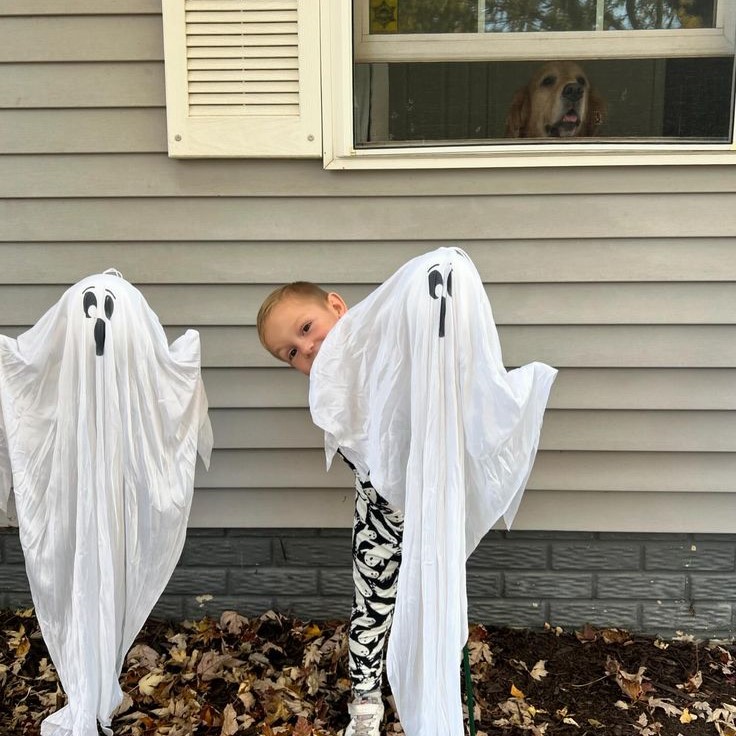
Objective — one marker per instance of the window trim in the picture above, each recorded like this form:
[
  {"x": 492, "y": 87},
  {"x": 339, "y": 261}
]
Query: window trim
[{"x": 340, "y": 153}]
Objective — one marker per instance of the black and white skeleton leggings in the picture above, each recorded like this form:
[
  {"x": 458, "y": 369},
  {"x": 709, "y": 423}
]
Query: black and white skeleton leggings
[{"x": 377, "y": 530}]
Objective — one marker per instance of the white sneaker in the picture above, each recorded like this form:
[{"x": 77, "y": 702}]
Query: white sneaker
[{"x": 366, "y": 716}]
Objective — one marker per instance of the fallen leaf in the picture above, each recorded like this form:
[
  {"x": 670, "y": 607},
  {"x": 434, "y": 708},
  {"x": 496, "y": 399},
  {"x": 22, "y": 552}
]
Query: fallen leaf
[
  {"x": 681, "y": 636},
  {"x": 693, "y": 683},
  {"x": 538, "y": 671},
  {"x": 209, "y": 716},
  {"x": 615, "y": 636},
  {"x": 214, "y": 665},
  {"x": 18, "y": 642},
  {"x": 302, "y": 727},
  {"x": 587, "y": 633},
  {"x": 229, "y": 721},
  {"x": 142, "y": 656},
  {"x": 148, "y": 683},
  {"x": 668, "y": 707},
  {"x": 312, "y": 631},
  {"x": 516, "y": 693},
  {"x": 232, "y": 622},
  {"x": 632, "y": 684},
  {"x": 687, "y": 717}
]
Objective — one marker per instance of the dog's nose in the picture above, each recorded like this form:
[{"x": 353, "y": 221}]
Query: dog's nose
[{"x": 573, "y": 91}]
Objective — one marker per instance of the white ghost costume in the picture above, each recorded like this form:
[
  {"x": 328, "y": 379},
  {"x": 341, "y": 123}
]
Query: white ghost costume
[
  {"x": 100, "y": 425},
  {"x": 410, "y": 386}
]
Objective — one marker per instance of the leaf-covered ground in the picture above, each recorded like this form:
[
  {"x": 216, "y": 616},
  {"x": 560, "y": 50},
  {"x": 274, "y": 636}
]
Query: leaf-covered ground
[{"x": 278, "y": 675}]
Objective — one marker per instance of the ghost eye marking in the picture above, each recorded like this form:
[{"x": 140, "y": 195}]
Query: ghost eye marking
[
  {"x": 109, "y": 304},
  {"x": 435, "y": 280},
  {"x": 89, "y": 300}
]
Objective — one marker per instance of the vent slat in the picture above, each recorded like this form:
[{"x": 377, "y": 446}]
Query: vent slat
[
  {"x": 253, "y": 98},
  {"x": 252, "y": 16},
  {"x": 240, "y": 110},
  {"x": 240, "y": 5},
  {"x": 256, "y": 52},
  {"x": 245, "y": 65},
  {"x": 243, "y": 75},
  {"x": 243, "y": 29},
  {"x": 194, "y": 41},
  {"x": 264, "y": 88}
]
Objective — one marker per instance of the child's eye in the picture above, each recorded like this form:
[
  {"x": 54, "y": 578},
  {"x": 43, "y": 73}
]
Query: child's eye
[
  {"x": 307, "y": 327},
  {"x": 291, "y": 354}
]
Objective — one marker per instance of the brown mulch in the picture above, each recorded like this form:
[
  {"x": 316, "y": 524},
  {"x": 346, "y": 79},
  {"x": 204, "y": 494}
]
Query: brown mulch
[{"x": 278, "y": 675}]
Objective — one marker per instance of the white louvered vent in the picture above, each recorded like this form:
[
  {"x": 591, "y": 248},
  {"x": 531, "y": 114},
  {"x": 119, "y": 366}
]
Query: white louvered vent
[
  {"x": 243, "y": 78},
  {"x": 242, "y": 57}
]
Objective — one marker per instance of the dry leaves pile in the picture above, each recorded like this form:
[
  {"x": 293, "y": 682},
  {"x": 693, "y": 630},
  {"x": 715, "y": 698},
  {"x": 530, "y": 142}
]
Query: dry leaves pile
[{"x": 277, "y": 675}]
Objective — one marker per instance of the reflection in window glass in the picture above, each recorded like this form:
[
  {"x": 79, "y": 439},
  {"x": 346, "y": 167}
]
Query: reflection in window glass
[
  {"x": 591, "y": 15},
  {"x": 524, "y": 16}
]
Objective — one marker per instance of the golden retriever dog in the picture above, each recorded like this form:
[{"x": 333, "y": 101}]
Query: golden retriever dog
[{"x": 558, "y": 102}]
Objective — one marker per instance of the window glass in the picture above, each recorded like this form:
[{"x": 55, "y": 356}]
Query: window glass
[
  {"x": 499, "y": 16},
  {"x": 679, "y": 94}
]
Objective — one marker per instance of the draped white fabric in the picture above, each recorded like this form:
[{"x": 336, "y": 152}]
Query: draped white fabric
[
  {"x": 100, "y": 423},
  {"x": 411, "y": 387}
]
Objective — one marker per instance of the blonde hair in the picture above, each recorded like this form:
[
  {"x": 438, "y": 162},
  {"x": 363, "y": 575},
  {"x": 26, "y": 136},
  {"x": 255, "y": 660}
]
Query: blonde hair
[{"x": 305, "y": 290}]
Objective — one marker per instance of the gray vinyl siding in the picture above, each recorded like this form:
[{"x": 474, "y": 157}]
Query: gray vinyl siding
[{"x": 622, "y": 277}]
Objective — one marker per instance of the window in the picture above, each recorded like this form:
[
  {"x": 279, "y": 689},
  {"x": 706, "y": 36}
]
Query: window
[{"x": 442, "y": 79}]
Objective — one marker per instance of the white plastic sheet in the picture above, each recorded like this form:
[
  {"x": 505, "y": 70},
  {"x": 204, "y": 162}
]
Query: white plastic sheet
[
  {"x": 410, "y": 385},
  {"x": 100, "y": 424}
]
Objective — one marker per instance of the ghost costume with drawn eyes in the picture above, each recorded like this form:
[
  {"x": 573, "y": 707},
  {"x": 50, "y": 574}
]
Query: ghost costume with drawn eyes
[
  {"x": 100, "y": 425},
  {"x": 410, "y": 386}
]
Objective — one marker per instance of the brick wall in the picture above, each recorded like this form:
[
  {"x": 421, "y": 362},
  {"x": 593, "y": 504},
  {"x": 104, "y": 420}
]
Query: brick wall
[{"x": 651, "y": 583}]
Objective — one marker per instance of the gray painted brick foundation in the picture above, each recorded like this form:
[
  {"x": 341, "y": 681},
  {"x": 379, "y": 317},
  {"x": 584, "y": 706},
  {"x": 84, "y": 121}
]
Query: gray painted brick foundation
[{"x": 643, "y": 582}]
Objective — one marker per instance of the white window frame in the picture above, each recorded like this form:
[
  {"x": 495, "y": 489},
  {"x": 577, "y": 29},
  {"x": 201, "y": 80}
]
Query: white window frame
[{"x": 338, "y": 40}]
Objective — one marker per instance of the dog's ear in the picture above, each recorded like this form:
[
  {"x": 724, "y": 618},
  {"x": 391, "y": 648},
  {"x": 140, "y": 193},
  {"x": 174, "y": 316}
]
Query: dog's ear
[
  {"x": 517, "y": 117},
  {"x": 596, "y": 115}
]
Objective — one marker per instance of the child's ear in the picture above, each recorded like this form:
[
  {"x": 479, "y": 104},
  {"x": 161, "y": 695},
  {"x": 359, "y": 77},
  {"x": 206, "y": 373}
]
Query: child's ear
[{"x": 336, "y": 303}]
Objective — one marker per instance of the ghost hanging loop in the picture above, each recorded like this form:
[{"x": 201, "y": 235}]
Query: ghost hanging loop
[{"x": 113, "y": 272}]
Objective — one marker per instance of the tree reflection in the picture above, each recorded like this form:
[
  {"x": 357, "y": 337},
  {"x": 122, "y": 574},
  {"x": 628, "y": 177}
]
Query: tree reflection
[
  {"x": 580, "y": 15},
  {"x": 523, "y": 16}
]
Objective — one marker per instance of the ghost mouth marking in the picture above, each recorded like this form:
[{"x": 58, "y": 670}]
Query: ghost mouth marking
[
  {"x": 566, "y": 126},
  {"x": 100, "y": 337}
]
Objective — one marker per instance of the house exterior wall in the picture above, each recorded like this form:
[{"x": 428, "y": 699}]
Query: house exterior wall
[
  {"x": 621, "y": 277},
  {"x": 651, "y": 583}
]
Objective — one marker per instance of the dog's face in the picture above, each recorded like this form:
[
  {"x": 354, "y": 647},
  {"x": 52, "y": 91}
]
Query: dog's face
[{"x": 557, "y": 103}]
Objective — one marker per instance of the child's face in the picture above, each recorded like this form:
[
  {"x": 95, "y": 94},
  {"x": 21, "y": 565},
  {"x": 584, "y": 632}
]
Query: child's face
[{"x": 296, "y": 326}]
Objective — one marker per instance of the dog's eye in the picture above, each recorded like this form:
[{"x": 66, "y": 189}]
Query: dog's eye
[
  {"x": 548, "y": 81},
  {"x": 581, "y": 81}
]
